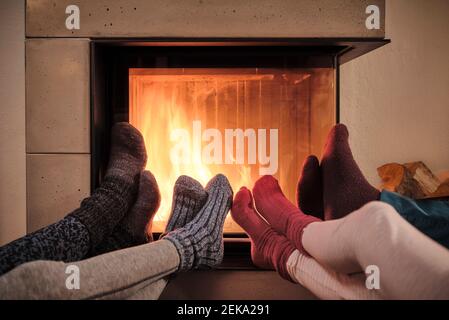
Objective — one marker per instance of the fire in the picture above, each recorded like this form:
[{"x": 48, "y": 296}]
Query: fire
[
  {"x": 158, "y": 107},
  {"x": 242, "y": 123}
]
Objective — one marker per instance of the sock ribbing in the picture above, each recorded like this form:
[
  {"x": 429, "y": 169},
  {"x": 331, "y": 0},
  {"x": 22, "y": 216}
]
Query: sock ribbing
[
  {"x": 200, "y": 242},
  {"x": 189, "y": 197}
]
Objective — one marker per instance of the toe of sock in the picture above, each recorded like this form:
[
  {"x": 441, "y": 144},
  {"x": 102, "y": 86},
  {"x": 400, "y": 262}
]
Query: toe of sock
[
  {"x": 339, "y": 132},
  {"x": 241, "y": 205},
  {"x": 220, "y": 181},
  {"x": 186, "y": 185},
  {"x": 266, "y": 185},
  {"x": 311, "y": 163}
]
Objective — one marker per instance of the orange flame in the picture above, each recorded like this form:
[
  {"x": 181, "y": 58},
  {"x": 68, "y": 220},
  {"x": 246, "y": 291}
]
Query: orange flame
[{"x": 158, "y": 106}]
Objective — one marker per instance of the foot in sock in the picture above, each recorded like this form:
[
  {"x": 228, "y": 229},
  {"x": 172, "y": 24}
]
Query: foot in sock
[
  {"x": 189, "y": 197},
  {"x": 200, "y": 242},
  {"x": 135, "y": 228},
  {"x": 309, "y": 193},
  {"x": 75, "y": 236},
  {"x": 109, "y": 203},
  {"x": 282, "y": 215},
  {"x": 269, "y": 249},
  {"x": 345, "y": 189}
]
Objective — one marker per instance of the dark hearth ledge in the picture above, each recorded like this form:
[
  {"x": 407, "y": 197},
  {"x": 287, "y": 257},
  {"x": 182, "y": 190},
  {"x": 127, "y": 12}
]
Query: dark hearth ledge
[{"x": 233, "y": 285}]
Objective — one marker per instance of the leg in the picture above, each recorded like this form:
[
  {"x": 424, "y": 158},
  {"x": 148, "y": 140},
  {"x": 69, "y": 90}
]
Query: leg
[
  {"x": 188, "y": 199},
  {"x": 269, "y": 248},
  {"x": 326, "y": 283},
  {"x": 72, "y": 238},
  {"x": 410, "y": 264},
  {"x": 136, "y": 271},
  {"x": 117, "y": 275}
]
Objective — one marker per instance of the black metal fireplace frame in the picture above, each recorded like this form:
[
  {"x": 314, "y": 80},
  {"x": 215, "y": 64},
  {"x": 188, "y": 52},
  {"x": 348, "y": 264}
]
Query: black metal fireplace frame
[{"x": 111, "y": 59}]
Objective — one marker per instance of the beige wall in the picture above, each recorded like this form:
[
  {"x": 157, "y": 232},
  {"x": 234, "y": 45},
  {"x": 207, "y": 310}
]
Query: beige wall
[
  {"x": 395, "y": 100},
  {"x": 12, "y": 120}
]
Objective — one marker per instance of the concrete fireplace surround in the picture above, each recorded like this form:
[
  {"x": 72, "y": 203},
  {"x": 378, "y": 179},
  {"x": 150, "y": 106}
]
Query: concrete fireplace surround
[{"x": 58, "y": 90}]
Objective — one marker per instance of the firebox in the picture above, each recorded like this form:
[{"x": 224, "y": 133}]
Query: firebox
[{"x": 244, "y": 108}]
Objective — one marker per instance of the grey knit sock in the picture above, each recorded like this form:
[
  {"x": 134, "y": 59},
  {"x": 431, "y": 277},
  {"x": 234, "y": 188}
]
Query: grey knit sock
[
  {"x": 200, "y": 242},
  {"x": 102, "y": 211},
  {"x": 189, "y": 197},
  {"x": 135, "y": 228}
]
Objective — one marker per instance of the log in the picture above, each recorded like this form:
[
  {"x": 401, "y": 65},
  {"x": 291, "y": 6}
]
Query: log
[
  {"x": 427, "y": 181},
  {"x": 414, "y": 180},
  {"x": 396, "y": 178}
]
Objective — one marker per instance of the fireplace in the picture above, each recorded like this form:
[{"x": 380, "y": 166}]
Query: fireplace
[{"x": 241, "y": 108}]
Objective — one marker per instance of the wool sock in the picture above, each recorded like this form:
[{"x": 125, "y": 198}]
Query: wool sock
[
  {"x": 189, "y": 197},
  {"x": 269, "y": 249},
  {"x": 309, "y": 193},
  {"x": 135, "y": 228},
  {"x": 282, "y": 215},
  {"x": 75, "y": 236},
  {"x": 102, "y": 211},
  {"x": 345, "y": 189},
  {"x": 200, "y": 242}
]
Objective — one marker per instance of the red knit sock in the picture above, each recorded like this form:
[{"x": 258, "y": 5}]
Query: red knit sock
[
  {"x": 309, "y": 193},
  {"x": 283, "y": 216},
  {"x": 345, "y": 189},
  {"x": 268, "y": 248}
]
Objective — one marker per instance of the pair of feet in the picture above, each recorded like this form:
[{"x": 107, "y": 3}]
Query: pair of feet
[
  {"x": 336, "y": 186},
  {"x": 120, "y": 212},
  {"x": 327, "y": 190},
  {"x": 197, "y": 217},
  {"x": 275, "y": 229},
  {"x": 195, "y": 226}
]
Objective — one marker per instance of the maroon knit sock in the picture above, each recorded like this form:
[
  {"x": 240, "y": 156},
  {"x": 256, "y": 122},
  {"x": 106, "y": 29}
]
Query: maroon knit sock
[
  {"x": 345, "y": 189},
  {"x": 268, "y": 248},
  {"x": 309, "y": 193},
  {"x": 283, "y": 216}
]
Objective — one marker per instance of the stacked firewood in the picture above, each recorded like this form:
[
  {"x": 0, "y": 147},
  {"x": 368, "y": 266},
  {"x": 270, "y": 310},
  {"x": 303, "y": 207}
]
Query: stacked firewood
[{"x": 414, "y": 180}]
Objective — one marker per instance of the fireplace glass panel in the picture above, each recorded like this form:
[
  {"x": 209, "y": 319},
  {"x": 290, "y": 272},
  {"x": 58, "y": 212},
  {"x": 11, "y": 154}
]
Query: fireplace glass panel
[{"x": 241, "y": 122}]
